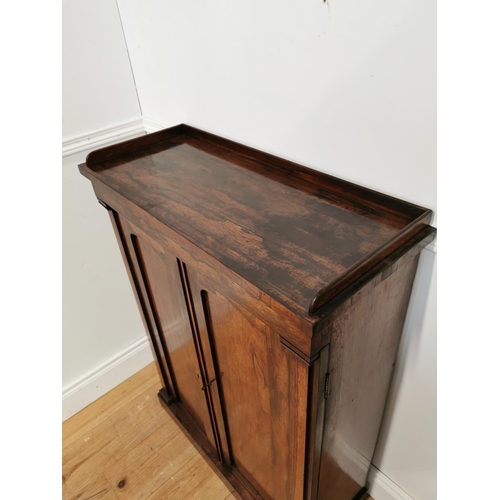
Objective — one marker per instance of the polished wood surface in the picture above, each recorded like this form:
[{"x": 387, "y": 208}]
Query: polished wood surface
[
  {"x": 297, "y": 239},
  {"x": 161, "y": 273},
  {"x": 164, "y": 295},
  {"x": 264, "y": 395},
  {"x": 298, "y": 331},
  {"x": 252, "y": 366},
  {"x": 367, "y": 331},
  {"x": 274, "y": 297}
]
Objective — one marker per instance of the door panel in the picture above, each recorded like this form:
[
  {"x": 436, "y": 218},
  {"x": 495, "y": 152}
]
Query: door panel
[
  {"x": 162, "y": 276},
  {"x": 246, "y": 391},
  {"x": 119, "y": 227},
  {"x": 165, "y": 293},
  {"x": 263, "y": 392}
]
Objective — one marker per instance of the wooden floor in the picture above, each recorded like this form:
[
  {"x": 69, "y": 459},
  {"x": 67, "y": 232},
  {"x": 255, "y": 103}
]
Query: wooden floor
[{"x": 126, "y": 446}]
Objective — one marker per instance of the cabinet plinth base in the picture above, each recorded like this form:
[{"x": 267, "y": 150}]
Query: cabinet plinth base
[
  {"x": 361, "y": 494},
  {"x": 163, "y": 395},
  {"x": 194, "y": 433}
]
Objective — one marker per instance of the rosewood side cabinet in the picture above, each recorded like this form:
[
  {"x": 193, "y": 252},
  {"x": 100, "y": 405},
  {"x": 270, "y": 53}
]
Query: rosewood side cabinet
[{"x": 274, "y": 297}]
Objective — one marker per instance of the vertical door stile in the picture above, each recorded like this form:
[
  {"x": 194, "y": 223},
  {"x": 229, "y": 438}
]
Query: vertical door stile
[
  {"x": 203, "y": 306},
  {"x": 155, "y": 330},
  {"x": 317, "y": 394},
  {"x": 207, "y": 378}
]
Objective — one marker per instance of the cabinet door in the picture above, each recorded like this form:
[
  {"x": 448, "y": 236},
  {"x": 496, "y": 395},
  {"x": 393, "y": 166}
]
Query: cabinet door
[
  {"x": 262, "y": 388},
  {"x": 163, "y": 295}
]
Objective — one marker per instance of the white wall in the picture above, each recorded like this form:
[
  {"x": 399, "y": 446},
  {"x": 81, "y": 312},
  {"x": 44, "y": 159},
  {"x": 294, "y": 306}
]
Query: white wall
[
  {"x": 101, "y": 325},
  {"x": 344, "y": 87},
  {"x": 103, "y": 336},
  {"x": 98, "y": 86},
  {"x": 406, "y": 451}
]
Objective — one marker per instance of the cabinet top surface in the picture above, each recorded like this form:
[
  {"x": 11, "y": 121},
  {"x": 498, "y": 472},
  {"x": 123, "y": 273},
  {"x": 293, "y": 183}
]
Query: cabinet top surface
[{"x": 297, "y": 234}]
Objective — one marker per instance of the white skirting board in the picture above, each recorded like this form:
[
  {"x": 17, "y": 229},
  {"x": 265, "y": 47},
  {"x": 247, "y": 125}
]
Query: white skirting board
[
  {"x": 383, "y": 488},
  {"x": 103, "y": 137},
  {"x": 104, "y": 377},
  {"x": 151, "y": 125},
  {"x": 356, "y": 465}
]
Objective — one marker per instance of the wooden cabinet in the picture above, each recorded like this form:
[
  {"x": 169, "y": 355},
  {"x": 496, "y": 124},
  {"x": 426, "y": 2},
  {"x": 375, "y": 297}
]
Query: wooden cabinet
[{"x": 274, "y": 297}]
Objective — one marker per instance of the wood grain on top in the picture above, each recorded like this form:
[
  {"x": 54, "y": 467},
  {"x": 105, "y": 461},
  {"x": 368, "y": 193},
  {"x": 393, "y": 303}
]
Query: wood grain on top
[{"x": 299, "y": 235}]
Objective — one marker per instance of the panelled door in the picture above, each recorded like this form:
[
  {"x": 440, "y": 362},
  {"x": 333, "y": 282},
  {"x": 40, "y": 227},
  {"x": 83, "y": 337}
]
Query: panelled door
[
  {"x": 228, "y": 369},
  {"x": 160, "y": 286},
  {"x": 261, "y": 387}
]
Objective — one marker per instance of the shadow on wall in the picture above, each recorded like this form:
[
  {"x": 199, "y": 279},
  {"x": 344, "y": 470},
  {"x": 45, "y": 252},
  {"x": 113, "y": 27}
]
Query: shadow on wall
[{"x": 410, "y": 354}]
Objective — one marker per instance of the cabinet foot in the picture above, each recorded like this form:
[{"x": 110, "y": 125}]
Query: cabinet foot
[
  {"x": 361, "y": 494},
  {"x": 163, "y": 395}
]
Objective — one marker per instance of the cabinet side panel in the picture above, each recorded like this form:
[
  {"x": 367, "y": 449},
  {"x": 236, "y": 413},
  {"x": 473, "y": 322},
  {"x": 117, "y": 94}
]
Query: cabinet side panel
[
  {"x": 365, "y": 333},
  {"x": 263, "y": 386}
]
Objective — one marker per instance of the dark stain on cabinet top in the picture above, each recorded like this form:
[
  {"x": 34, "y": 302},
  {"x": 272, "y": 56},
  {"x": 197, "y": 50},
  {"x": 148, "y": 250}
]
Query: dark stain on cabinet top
[{"x": 299, "y": 235}]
